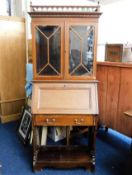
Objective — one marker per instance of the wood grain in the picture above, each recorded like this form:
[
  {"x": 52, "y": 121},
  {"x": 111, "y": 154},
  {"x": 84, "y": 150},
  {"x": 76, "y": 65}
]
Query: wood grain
[
  {"x": 70, "y": 120},
  {"x": 59, "y": 98},
  {"x": 12, "y": 63},
  {"x": 125, "y": 102},
  {"x": 115, "y": 97},
  {"x": 113, "y": 85},
  {"x": 102, "y": 89}
]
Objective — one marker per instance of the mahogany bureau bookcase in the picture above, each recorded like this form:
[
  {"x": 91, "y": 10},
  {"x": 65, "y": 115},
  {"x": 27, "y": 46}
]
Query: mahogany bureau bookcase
[{"x": 64, "y": 84}]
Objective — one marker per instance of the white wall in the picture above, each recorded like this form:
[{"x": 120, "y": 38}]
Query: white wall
[
  {"x": 18, "y": 7},
  {"x": 62, "y": 2},
  {"x": 4, "y": 8},
  {"x": 115, "y": 25}
]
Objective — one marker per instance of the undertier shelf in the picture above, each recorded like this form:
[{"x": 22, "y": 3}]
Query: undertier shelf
[{"x": 64, "y": 157}]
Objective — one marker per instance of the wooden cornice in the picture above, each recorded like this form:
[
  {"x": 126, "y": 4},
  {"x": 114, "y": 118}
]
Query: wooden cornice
[
  {"x": 64, "y": 11},
  {"x": 65, "y": 14}
]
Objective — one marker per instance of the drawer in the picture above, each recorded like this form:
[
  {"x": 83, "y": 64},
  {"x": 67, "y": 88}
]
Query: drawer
[{"x": 63, "y": 120}]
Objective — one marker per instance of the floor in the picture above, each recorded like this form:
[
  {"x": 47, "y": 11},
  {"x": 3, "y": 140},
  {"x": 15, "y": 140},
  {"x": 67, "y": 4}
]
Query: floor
[{"x": 113, "y": 154}]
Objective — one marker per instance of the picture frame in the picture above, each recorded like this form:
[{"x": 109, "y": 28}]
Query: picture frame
[
  {"x": 24, "y": 128},
  {"x": 113, "y": 52}
]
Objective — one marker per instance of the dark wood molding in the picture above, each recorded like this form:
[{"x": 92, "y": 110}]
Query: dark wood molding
[
  {"x": 65, "y": 11},
  {"x": 65, "y": 14},
  {"x": 115, "y": 64}
]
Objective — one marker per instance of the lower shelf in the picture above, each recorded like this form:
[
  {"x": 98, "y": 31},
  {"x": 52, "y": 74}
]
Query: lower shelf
[{"x": 63, "y": 157}]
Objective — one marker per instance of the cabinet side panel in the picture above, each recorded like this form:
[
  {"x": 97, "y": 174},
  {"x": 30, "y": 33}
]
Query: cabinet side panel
[
  {"x": 12, "y": 67},
  {"x": 102, "y": 92},
  {"x": 124, "y": 123}
]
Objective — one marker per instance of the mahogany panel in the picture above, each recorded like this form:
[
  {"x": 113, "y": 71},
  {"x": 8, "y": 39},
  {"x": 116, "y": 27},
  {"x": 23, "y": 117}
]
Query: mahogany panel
[
  {"x": 113, "y": 83},
  {"x": 115, "y": 95},
  {"x": 64, "y": 157},
  {"x": 124, "y": 124},
  {"x": 60, "y": 98},
  {"x": 102, "y": 89},
  {"x": 64, "y": 120}
]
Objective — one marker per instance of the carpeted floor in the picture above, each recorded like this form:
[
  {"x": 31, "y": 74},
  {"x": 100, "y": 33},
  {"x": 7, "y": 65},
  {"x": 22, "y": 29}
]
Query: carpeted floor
[{"x": 113, "y": 155}]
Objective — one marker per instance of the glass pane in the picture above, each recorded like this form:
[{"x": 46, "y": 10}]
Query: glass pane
[
  {"x": 47, "y": 30},
  {"x": 41, "y": 51},
  {"x": 48, "y": 50},
  {"x": 54, "y": 51},
  {"x": 81, "y": 50},
  {"x": 80, "y": 71},
  {"x": 48, "y": 71}
]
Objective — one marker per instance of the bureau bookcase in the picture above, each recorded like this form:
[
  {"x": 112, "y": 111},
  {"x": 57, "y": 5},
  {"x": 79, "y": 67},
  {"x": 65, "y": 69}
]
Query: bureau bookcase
[{"x": 64, "y": 84}]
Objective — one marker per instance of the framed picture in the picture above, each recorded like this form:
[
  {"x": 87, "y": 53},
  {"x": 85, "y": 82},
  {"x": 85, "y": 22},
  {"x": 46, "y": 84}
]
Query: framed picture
[
  {"x": 25, "y": 125},
  {"x": 113, "y": 52}
]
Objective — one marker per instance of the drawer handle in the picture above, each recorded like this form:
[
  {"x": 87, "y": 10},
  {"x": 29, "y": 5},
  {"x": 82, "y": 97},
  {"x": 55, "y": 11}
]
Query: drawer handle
[
  {"x": 47, "y": 120},
  {"x": 53, "y": 120},
  {"x": 82, "y": 120},
  {"x": 79, "y": 121},
  {"x": 50, "y": 120}
]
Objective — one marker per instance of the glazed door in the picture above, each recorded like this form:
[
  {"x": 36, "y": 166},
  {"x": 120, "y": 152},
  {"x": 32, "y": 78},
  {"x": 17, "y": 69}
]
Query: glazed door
[
  {"x": 80, "y": 51},
  {"x": 48, "y": 52}
]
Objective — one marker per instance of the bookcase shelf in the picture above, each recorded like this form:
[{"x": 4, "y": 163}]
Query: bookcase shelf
[{"x": 64, "y": 157}]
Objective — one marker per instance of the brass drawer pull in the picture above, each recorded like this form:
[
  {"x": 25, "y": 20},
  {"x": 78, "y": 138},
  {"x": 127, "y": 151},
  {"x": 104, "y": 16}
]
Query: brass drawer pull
[
  {"x": 50, "y": 120},
  {"x": 47, "y": 120},
  {"x": 82, "y": 120},
  {"x": 78, "y": 121},
  {"x": 53, "y": 120}
]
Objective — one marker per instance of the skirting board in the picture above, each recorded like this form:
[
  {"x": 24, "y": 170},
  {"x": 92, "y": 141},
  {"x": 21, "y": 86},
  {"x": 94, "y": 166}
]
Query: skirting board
[{"x": 9, "y": 118}]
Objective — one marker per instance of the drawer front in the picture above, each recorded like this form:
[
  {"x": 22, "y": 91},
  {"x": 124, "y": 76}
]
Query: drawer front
[{"x": 70, "y": 120}]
